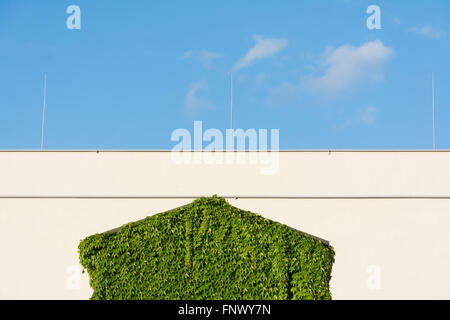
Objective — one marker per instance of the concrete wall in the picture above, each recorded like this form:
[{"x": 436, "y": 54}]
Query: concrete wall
[{"x": 387, "y": 214}]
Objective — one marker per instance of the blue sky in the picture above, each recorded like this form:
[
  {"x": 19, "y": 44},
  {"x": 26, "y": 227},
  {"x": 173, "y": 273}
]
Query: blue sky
[{"x": 137, "y": 70}]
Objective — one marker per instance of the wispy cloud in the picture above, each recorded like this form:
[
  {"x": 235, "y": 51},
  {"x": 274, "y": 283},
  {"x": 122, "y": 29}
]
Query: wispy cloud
[
  {"x": 193, "y": 101},
  {"x": 188, "y": 54},
  {"x": 429, "y": 32},
  {"x": 205, "y": 57},
  {"x": 264, "y": 48},
  {"x": 367, "y": 115},
  {"x": 347, "y": 66}
]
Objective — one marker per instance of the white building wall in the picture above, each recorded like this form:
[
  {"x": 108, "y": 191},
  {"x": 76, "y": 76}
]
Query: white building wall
[{"x": 387, "y": 214}]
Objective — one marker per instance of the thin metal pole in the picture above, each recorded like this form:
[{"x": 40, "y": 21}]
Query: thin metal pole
[
  {"x": 231, "y": 101},
  {"x": 43, "y": 111},
  {"x": 434, "y": 117}
]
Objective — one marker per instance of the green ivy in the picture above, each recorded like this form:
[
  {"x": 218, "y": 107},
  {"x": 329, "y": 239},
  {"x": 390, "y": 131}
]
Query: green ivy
[{"x": 207, "y": 250}]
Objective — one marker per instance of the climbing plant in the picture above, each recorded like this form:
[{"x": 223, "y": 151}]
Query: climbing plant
[{"x": 207, "y": 250}]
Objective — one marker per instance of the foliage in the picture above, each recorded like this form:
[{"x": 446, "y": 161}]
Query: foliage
[{"x": 207, "y": 250}]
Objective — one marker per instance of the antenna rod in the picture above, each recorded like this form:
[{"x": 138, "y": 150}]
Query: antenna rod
[
  {"x": 231, "y": 101},
  {"x": 434, "y": 117},
  {"x": 43, "y": 111}
]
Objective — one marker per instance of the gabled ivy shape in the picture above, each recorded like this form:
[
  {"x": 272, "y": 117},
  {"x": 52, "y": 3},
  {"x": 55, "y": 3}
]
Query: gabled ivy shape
[{"x": 207, "y": 250}]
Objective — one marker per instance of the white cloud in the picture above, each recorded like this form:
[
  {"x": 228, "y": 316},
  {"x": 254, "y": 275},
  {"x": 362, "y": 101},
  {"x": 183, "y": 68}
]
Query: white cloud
[
  {"x": 367, "y": 115},
  {"x": 429, "y": 32},
  {"x": 193, "y": 101},
  {"x": 264, "y": 48},
  {"x": 347, "y": 66},
  {"x": 205, "y": 57},
  {"x": 187, "y": 54}
]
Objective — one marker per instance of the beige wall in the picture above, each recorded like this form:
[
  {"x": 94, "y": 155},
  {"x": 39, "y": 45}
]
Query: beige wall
[{"x": 387, "y": 214}]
